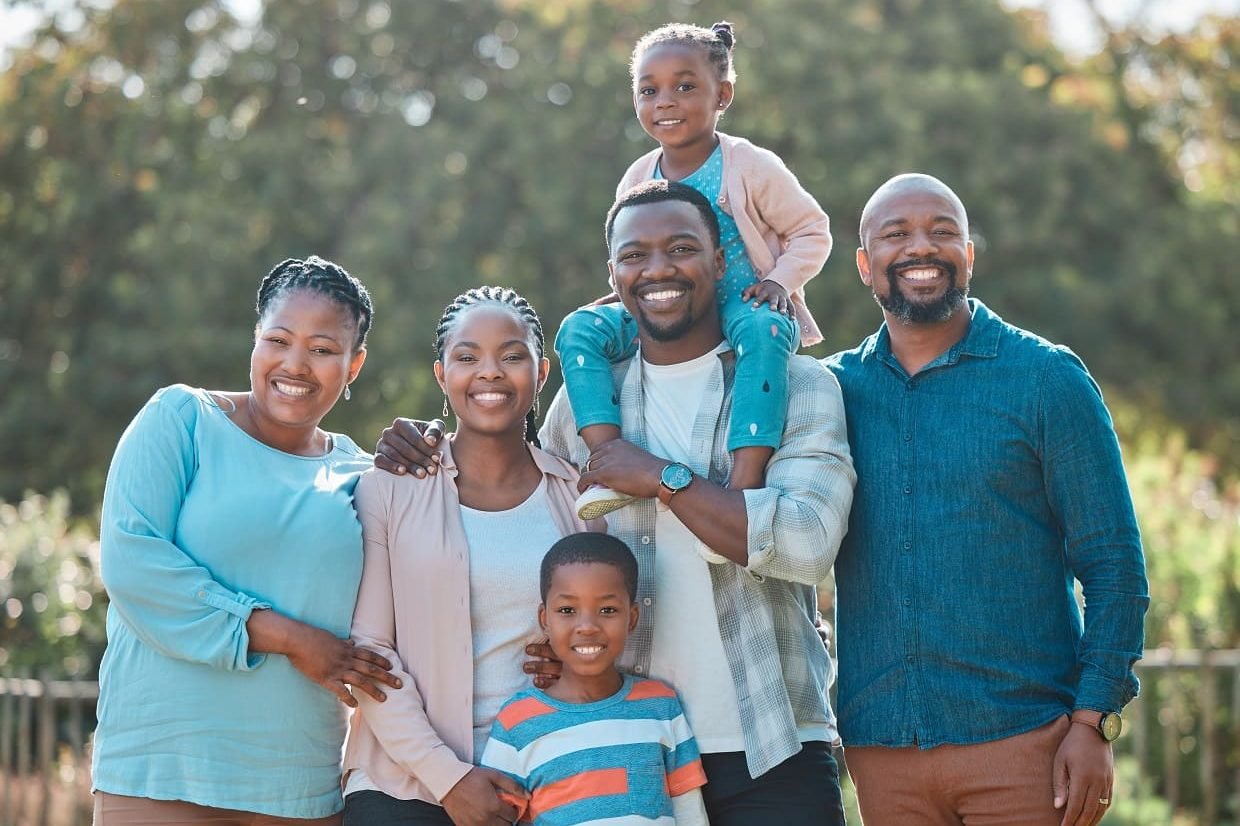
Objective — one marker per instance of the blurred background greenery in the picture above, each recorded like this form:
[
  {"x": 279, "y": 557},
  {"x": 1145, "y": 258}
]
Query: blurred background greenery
[{"x": 157, "y": 158}]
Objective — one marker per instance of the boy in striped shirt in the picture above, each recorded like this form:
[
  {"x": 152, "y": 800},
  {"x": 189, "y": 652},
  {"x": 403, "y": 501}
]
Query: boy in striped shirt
[{"x": 596, "y": 747}]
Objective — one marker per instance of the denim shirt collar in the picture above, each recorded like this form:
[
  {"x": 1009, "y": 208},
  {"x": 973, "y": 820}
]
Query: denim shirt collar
[{"x": 981, "y": 341}]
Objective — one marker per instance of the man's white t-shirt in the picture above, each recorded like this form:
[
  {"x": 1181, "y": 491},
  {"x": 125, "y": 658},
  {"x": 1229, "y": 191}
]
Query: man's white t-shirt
[{"x": 687, "y": 650}]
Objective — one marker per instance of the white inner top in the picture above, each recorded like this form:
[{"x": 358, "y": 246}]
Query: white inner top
[
  {"x": 505, "y": 551},
  {"x": 687, "y": 650}
]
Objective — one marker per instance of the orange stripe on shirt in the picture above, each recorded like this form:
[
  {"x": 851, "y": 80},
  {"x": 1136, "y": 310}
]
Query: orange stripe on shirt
[
  {"x": 686, "y": 778},
  {"x": 516, "y": 713},
  {"x": 649, "y": 689},
  {"x": 582, "y": 786}
]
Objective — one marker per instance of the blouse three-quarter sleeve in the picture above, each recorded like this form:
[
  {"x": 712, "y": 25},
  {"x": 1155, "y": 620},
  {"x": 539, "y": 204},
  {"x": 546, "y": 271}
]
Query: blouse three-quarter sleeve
[{"x": 169, "y": 601}]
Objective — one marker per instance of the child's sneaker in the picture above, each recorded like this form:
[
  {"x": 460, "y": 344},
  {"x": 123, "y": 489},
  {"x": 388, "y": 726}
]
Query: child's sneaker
[{"x": 600, "y": 500}]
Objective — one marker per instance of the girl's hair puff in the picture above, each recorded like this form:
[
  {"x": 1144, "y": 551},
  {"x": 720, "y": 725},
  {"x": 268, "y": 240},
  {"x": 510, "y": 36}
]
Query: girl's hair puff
[
  {"x": 520, "y": 307},
  {"x": 717, "y": 42},
  {"x": 324, "y": 277}
]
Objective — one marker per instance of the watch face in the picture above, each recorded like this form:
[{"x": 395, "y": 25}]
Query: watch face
[
  {"x": 676, "y": 476},
  {"x": 1110, "y": 725}
]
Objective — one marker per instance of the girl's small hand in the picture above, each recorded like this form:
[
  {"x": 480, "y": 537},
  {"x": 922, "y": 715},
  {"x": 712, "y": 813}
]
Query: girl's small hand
[{"x": 768, "y": 292}]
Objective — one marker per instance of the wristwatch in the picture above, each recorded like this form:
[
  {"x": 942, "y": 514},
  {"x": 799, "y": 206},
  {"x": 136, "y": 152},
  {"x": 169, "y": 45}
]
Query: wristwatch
[
  {"x": 1108, "y": 724},
  {"x": 674, "y": 478}
]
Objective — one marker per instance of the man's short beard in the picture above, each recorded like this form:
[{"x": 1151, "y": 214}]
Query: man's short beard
[
  {"x": 670, "y": 332},
  {"x": 911, "y": 312}
]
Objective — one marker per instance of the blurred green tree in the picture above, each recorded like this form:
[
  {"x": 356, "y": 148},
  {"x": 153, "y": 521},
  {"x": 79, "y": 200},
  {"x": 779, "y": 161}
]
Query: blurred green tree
[
  {"x": 51, "y": 598},
  {"x": 158, "y": 158}
]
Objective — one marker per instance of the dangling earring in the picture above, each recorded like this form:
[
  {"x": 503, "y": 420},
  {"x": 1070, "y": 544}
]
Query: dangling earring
[
  {"x": 445, "y": 405},
  {"x": 536, "y": 400},
  {"x": 348, "y": 394}
]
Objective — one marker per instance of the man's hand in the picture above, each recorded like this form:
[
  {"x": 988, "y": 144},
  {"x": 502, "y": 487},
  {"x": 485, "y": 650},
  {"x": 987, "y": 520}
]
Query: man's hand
[
  {"x": 409, "y": 445},
  {"x": 475, "y": 800},
  {"x": 1084, "y": 770},
  {"x": 543, "y": 666},
  {"x": 768, "y": 292},
  {"x": 625, "y": 467}
]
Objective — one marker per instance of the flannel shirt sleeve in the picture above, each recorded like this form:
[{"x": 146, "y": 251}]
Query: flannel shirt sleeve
[{"x": 797, "y": 521}]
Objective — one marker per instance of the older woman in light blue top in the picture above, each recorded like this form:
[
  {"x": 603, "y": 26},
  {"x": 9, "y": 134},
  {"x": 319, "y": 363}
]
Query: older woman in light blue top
[{"x": 232, "y": 556}]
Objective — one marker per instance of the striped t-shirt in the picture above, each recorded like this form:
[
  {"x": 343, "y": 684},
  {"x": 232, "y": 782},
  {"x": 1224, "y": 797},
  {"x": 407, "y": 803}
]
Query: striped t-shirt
[{"x": 619, "y": 760}]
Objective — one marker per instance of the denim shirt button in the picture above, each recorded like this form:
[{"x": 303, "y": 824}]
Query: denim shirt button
[
  {"x": 910, "y": 658},
  {"x": 908, "y": 546},
  {"x": 908, "y": 488},
  {"x": 908, "y": 601},
  {"x": 908, "y": 437}
]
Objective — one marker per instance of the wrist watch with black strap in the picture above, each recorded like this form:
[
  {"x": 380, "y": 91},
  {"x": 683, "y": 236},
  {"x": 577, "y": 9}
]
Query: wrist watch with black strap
[
  {"x": 674, "y": 478},
  {"x": 1108, "y": 724}
]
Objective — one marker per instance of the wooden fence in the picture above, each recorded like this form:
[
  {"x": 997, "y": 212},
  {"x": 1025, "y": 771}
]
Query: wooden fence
[
  {"x": 44, "y": 765},
  {"x": 1184, "y": 731}
]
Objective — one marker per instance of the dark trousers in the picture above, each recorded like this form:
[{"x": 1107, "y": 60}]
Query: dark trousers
[
  {"x": 804, "y": 790},
  {"x": 371, "y": 808}
]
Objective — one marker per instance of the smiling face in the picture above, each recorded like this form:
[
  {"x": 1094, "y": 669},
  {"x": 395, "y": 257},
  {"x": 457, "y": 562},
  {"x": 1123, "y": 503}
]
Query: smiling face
[
  {"x": 304, "y": 355},
  {"x": 916, "y": 256},
  {"x": 665, "y": 268},
  {"x": 678, "y": 96},
  {"x": 587, "y": 616},
  {"x": 490, "y": 370}
]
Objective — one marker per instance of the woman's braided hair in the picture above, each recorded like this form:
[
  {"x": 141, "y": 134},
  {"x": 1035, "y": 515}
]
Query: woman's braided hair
[
  {"x": 325, "y": 278},
  {"x": 519, "y": 306},
  {"x": 717, "y": 42}
]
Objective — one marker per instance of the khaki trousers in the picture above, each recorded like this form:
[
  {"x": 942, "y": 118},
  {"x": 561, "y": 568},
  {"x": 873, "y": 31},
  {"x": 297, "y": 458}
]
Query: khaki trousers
[
  {"x": 1004, "y": 782},
  {"x": 119, "y": 810}
]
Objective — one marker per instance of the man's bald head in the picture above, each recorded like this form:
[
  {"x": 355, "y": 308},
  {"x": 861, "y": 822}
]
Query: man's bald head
[{"x": 906, "y": 183}]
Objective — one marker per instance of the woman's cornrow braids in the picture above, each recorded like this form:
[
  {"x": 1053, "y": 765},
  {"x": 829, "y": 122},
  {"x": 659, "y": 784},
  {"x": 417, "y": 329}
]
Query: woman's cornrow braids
[
  {"x": 323, "y": 277},
  {"x": 506, "y": 297}
]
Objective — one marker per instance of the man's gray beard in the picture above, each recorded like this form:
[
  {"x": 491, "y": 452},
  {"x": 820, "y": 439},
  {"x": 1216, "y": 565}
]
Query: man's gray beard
[{"x": 908, "y": 312}]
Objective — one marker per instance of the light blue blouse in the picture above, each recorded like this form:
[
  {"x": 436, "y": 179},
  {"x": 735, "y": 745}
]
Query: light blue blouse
[
  {"x": 708, "y": 180},
  {"x": 202, "y": 523}
]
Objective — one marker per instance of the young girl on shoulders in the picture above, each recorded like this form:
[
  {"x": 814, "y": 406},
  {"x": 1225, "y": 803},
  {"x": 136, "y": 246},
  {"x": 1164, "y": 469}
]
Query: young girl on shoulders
[{"x": 774, "y": 235}]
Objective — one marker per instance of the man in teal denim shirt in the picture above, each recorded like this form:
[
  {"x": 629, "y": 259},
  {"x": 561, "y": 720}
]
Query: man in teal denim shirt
[{"x": 989, "y": 482}]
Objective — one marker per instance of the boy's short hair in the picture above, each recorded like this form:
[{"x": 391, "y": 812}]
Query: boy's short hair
[{"x": 587, "y": 547}]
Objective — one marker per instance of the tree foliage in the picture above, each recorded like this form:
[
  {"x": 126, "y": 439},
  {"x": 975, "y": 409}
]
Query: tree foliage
[
  {"x": 158, "y": 158},
  {"x": 51, "y": 598}
]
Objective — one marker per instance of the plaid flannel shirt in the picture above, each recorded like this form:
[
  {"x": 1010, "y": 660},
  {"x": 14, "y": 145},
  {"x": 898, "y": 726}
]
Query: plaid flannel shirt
[{"x": 765, "y": 610}]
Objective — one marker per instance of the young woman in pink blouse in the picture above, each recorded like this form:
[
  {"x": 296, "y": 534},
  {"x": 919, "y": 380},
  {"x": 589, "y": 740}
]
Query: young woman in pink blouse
[{"x": 450, "y": 577}]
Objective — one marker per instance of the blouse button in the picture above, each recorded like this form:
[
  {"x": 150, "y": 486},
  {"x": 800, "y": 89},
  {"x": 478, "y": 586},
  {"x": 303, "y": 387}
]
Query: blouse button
[{"x": 645, "y": 540}]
